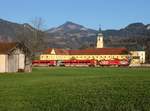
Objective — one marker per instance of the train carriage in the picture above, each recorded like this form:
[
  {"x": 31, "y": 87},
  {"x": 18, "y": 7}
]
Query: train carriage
[{"x": 82, "y": 63}]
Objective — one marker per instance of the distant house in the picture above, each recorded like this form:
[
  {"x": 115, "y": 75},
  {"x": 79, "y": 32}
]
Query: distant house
[
  {"x": 138, "y": 56},
  {"x": 14, "y": 57}
]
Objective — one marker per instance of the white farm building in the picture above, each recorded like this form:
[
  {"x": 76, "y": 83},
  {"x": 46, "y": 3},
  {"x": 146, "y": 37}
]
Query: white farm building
[{"x": 14, "y": 57}]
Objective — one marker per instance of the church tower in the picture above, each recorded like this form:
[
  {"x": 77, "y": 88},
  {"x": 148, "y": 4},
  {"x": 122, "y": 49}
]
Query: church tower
[{"x": 100, "y": 43}]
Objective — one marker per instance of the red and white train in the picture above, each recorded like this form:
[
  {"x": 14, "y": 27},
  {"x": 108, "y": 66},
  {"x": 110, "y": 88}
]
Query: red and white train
[{"x": 81, "y": 63}]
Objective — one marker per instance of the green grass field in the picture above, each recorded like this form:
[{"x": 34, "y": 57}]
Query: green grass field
[{"x": 76, "y": 89}]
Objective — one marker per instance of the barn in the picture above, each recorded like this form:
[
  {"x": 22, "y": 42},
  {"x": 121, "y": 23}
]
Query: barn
[{"x": 14, "y": 57}]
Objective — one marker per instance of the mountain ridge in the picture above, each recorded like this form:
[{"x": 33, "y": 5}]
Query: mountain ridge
[{"x": 73, "y": 35}]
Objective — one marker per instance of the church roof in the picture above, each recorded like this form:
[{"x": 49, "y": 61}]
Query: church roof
[
  {"x": 97, "y": 51},
  {"x": 57, "y": 51},
  {"x": 61, "y": 52},
  {"x": 47, "y": 51}
]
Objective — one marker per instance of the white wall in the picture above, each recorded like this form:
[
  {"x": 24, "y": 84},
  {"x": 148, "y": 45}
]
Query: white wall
[
  {"x": 140, "y": 54},
  {"x": 2, "y": 63},
  {"x": 21, "y": 61},
  {"x": 6, "y": 63}
]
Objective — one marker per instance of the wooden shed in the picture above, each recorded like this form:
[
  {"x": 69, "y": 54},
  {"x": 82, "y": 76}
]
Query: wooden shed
[{"x": 14, "y": 57}]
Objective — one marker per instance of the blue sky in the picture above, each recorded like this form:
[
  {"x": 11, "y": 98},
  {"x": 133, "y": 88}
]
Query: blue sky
[{"x": 111, "y": 14}]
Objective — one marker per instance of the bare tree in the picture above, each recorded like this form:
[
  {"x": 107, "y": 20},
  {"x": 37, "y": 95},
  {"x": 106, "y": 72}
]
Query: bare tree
[
  {"x": 33, "y": 35},
  {"x": 38, "y": 34}
]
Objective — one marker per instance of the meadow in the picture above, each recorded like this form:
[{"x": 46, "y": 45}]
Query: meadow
[{"x": 76, "y": 89}]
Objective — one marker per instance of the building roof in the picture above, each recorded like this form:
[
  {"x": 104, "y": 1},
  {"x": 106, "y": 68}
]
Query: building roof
[
  {"x": 57, "y": 51},
  {"x": 97, "y": 51},
  {"x": 61, "y": 52},
  {"x": 47, "y": 51},
  {"x": 6, "y": 47}
]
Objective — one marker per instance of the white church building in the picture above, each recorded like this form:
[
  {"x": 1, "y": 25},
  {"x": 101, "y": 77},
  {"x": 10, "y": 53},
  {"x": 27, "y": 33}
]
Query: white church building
[{"x": 138, "y": 56}]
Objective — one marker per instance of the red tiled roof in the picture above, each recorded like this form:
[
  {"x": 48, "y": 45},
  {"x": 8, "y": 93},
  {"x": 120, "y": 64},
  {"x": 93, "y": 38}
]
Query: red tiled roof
[
  {"x": 6, "y": 47},
  {"x": 61, "y": 52},
  {"x": 47, "y": 51},
  {"x": 57, "y": 51},
  {"x": 97, "y": 51}
]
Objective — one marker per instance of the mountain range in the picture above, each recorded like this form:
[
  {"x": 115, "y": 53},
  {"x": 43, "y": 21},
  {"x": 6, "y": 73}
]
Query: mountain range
[
  {"x": 72, "y": 35},
  {"x": 10, "y": 30},
  {"x": 135, "y": 36}
]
